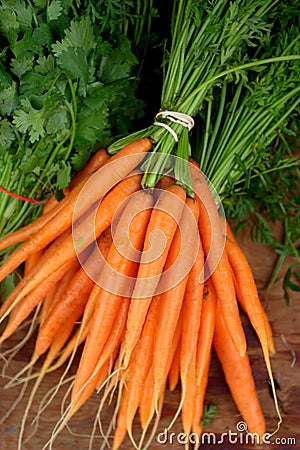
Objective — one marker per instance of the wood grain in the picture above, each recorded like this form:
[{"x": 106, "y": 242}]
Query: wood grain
[{"x": 285, "y": 322}]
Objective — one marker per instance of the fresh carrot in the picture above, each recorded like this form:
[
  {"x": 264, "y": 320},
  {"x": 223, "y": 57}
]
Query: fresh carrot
[
  {"x": 206, "y": 330},
  {"x": 165, "y": 182},
  {"x": 268, "y": 328},
  {"x": 28, "y": 303},
  {"x": 140, "y": 365},
  {"x": 238, "y": 374},
  {"x": 79, "y": 286},
  {"x": 121, "y": 429},
  {"x": 146, "y": 406},
  {"x": 164, "y": 218},
  {"x": 247, "y": 291},
  {"x": 181, "y": 250},
  {"x": 32, "y": 261},
  {"x": 11, "y": 299},
  {"x": 105, "y": 361},
  {"x": 191, "y": 311},
  {"x": 174, "y": 372},
  {"x": 120, "y": 270},
  {"x": 112, "y": 173},
  {"x": 189, "y": 402},
  {"x": 47, "y": 305},
  {"x": 214, "y": 244},
  {"x": 61, "y": 220},
  {"x": 94, "y": 163},
  {"x": 56, "y": 346},
  {"x": 64, "y": 282},
  {"x": 116, "y": 334},
  {"x": 66, "y": 250},
  {"x": 72, "y": 345},
  {"x": 104, "y": 243},
  {"x": 38, "y": 241},
  {"x": 147, "y": 403},
  {"x": 248, "y": 295}
]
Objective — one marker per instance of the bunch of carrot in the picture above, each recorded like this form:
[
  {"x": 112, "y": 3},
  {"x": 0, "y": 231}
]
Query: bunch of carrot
[{"x": 151, "y": 312}]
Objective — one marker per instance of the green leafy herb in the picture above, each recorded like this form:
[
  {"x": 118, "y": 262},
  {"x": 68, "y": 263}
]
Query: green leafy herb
[{"x": 66, "y": 80}]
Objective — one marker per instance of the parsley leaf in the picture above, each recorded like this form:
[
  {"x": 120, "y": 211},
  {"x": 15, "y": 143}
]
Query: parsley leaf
[
  {"x": 66, "y": 83},
  {"x": 54, "y": 10},
  {"x": 7, "y": 135},
  {"x": 29, "y": 120},
  {"x": 80, "y": 34},
  {"x": 8, "y": 100},
  {"x": 63, "y": 175}
]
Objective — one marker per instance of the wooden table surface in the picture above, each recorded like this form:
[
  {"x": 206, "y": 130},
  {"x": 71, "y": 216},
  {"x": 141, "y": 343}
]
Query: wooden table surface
[{"x": 285, "y": 324}]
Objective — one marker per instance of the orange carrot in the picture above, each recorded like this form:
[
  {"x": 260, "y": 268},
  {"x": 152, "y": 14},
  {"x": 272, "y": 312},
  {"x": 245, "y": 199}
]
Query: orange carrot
[
  {"x": 112, "y": 172},
  {"x": 56, "y": 346},
  {"x": 268, "y": 328},
  {"x": 78, "y": 288},
  {"x": 116, "y": 334},
  {"x": 23, "y": 282},
  {"x": 247, "y": 291},
  {"x": 32, "y": 261},
  {"x": 189, "y": 402},
  {"x": 206, "y": 331},
  {"x": 29, "y": 302},
  {"x": 214, "y": 244},
  {"x": 50, "y": 203},
  {"x": 191, "y": 311},
  {"x": 163, "y": 221},
  {"x": 121, "y": 429},
  {"x": 110, "y": 348},
  {"x": 165, "y": 182},
  {"x": 104, "y": 244},
  {"x": 73, "y": 343},
  {"x": 172, "y": 299},
  {"x": 94, "y": 163},
  {"x": 173, "y": 375},
  {"x": 140, "y": 365},
  {"x": 120, "y": 270},
  {"x": 66, "y": 250},
  {"x": 47, "y": 304},
  {"x": 238, "y": 376},
  {"x": 147, "y": 404},
  {"x": 248, "y": 295},
  {"x": 65, "y": 281},
  {"x": 52, "y": 206},
  {"x": 59, "y": 222}
]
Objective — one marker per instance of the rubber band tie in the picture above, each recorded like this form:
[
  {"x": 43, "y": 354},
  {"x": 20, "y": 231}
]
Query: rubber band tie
[{"x": 177, "y": 117}]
